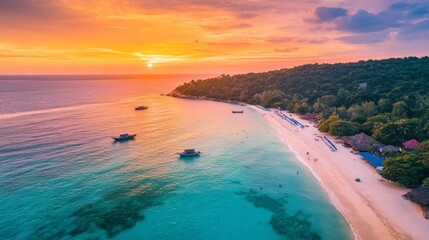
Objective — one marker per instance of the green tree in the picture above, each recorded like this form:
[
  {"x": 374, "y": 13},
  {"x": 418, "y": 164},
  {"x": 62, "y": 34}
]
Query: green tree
[
  {"x": 405, "y": 169},
  {"x": 384, "y": 105},
  {"x": 367, "y": 109},
  {"x": 324, "y": 124},
  {"x": 399, "y": 110},
  {"x": 389, "y": 133},
  {"x": 293, "y": 103},
  {"x": 267, "y": 98},
  {"x": 396, "y": 132},
  {"x": 426, "y": 182},
  {"x": 341, "y": 112},
  {"x": 410, "y": 168},
  {"x": 374, "y": 121},
  {"x": 278, "y": 105},
  {"x": 359, "y": 119},
  {"x": 342, "y": 96},
  {"x": 286, "y": 102},
  {"x": 301, "y": 108},
  {"x": 324, "y": 105},
  {"x": 343, "y": 128}
]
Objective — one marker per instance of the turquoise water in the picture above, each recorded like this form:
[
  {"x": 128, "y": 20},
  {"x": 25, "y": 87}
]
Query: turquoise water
[{"x": 62, "y": 177}]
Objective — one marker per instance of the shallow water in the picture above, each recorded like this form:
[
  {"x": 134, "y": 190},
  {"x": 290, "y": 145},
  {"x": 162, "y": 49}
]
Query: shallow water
[{"x": 62, "y": 177}]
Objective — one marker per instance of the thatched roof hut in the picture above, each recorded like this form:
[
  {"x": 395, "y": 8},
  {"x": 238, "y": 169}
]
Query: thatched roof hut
[
  {"x": 420, "y": 196},
  {"x": 362, "y": 142},
  {"x": 411, "y": 144}
]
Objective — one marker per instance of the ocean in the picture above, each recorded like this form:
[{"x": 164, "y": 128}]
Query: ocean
[{"x": 63, "y": 177}]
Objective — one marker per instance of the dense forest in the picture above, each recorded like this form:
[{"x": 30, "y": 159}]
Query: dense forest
[{"x": 386, "y": 99}]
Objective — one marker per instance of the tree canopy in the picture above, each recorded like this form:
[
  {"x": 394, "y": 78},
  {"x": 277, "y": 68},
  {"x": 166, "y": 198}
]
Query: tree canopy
[
  {"x": 387, "y": 99},
  {"x": 410, "y": 169}
]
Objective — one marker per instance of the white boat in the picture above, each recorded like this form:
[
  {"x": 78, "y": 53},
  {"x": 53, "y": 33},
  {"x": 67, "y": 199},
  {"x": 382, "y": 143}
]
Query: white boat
[{"x": 189, "y": 153}]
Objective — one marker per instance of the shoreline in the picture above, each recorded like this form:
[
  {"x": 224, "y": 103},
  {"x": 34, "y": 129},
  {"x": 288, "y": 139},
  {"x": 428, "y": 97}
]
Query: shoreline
[
  {"x": 373, "y": 208},
  {"x": 202, "y": 98}
]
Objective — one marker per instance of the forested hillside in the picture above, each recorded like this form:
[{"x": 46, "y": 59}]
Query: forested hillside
[{"x": 388, "y": 99}]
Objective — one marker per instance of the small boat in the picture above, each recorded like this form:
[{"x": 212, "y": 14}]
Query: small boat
[
  {"x": 189, "y": 153},
  {"x": 124, "y": 137},
  {"x": 141, "y": 108},
  {"x": 237, "y": 111}
]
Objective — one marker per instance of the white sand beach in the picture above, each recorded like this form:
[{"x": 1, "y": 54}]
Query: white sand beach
[{"x": 374, "y": 208}]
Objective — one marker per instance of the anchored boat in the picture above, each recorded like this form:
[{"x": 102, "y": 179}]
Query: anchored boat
[
  {"x": 189, "y": 153},
  {"x": 124, "y": 137},
  {"x": 237, "y": 111},
  {"x": 141, "y": 108}
]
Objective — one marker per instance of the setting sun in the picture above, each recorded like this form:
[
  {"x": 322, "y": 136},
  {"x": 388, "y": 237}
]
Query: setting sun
[
  {"x": 209, "y": 37},
  {"x": 150, "y": 65}
]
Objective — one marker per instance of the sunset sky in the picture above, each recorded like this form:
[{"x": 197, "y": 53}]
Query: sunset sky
[{"x": 202, "y": 36}]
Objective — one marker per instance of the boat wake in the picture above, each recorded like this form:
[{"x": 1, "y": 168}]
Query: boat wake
[{"x": 52, "y": 110}]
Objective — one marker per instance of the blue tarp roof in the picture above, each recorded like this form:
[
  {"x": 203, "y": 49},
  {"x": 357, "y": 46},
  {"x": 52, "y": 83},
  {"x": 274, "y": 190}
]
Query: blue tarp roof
[{"x": 373, "y": 160}]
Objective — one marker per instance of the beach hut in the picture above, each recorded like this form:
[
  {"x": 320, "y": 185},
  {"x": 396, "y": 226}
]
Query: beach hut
[
  {"x": 411, "y": 144},
  {"x": 420, "y": 196},
  {"x": 388, "y": 148},
  {"x": 362, "y": 142}
]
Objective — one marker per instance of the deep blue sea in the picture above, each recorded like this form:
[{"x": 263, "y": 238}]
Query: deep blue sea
[{"x": 62, "y": 176}]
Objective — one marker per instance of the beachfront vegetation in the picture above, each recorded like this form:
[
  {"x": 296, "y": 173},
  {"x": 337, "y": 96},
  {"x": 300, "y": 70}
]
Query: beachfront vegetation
[
  {"x": 336, "y": 126},
  {"x": 386, "y": 99},
  {"x": 426, "y": 182},
  {"x": 410, "y": 169}
]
